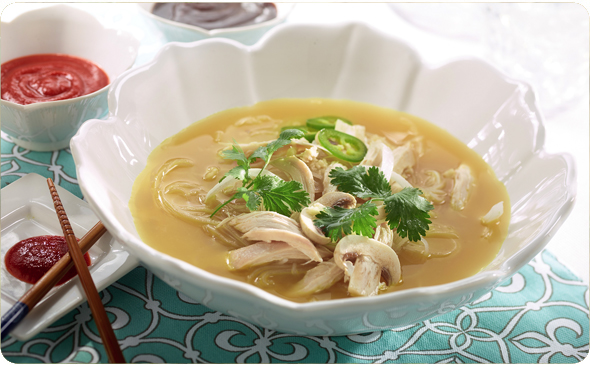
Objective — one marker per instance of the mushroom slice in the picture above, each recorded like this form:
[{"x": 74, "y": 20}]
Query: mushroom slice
[
  {"x": 319, "y": 278},
  {"x": 460, "y": 192},
  {"x": 370, "y": 261},
  {"x": 309, "y": 229},
  {"x": 298, "y": 171},
  {"x": 335, "y": 199},
  {"x": 295, "y": 240}
]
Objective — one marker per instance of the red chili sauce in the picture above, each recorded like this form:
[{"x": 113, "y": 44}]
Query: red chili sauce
[
  {"x": 30, "y": 259},
  {"x": 216, "y": 15},
  {"x": 49, "y": 77}
]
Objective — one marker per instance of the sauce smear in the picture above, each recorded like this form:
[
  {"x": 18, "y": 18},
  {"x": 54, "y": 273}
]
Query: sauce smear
[
  {"x": 216, "y": 15},
  {"x": 50, "y": 77},
  {"x": 30, "y": 259}
]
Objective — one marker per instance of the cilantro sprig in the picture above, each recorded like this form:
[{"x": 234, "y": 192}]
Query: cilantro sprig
[
  {"x": 273, "y": 193},
  {"x": 338, "y": 222},
  {"x": 406, "y": 210}
]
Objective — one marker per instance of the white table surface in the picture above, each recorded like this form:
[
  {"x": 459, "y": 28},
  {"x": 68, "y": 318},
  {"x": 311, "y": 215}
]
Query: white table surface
[{"x": 566, "y": 131}]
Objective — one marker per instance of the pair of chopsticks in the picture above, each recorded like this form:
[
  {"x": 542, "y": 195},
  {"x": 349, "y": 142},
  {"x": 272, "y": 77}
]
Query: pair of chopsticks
[{"x": 73, "y": 257}]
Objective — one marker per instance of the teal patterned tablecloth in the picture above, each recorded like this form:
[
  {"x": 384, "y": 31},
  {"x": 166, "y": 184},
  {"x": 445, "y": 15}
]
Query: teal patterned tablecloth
[{"x": 540, "y": 315}]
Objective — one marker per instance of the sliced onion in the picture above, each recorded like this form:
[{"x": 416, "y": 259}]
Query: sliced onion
[
  {"x": 426, "y": 247},
  {"x": 494, "y": 214},
  {"x": 400, "y": 180}
]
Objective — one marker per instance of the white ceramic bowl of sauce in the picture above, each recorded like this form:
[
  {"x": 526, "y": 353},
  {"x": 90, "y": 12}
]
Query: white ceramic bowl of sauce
[
  {"x": 61, "y": 29},
  {"x": 175, "y": 31},
  {"x": 495, "y": 116}
]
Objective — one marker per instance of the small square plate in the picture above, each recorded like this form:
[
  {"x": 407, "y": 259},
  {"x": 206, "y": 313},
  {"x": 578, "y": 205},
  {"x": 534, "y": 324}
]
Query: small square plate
[{"x": 27, "y": 211}]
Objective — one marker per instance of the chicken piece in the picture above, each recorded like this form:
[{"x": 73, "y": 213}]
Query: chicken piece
[
  {"x": 378, "y": 154},
  {"x": 356, "y": 130},
  {"x": 265, "y": 219},
  {"x": 328, "y": 186},
  {"x": 318, "y": 279},
  {"x": 384, "y": 234},
  {"x": 295, "y": 240},
  {"x": 298, "y": 171},
  {"x": 262, "y": 253},
  {"x": 403, "y": 158},
  {"x": 271, "y": 226},
  {"x": 461, "y": 187}
]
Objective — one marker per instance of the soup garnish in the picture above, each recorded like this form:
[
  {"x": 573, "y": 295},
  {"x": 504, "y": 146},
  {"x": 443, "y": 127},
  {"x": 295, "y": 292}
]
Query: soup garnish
[{"x": 393, "y": 203}]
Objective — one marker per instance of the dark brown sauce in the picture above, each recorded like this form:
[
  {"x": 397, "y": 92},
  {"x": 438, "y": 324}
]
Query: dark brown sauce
[{"x": 216, "y": 15}]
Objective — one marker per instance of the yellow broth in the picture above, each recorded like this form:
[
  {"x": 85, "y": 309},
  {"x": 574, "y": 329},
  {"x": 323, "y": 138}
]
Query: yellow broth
[{"x": 189, "y": 242}]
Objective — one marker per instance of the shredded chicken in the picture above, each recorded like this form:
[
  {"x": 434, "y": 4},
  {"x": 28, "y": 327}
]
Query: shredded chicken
[
  {"x": 319, "y": 278},
  {"x": 403, "y": 158},
  {"x": 463, "y": 181},
  {"x": 328, "y": 186},
  {"x": 296, "y": 240},
  {"x": 356, "y": 130},
  {"x": 380, "y": 155},
  {"x": 261, "y": 253}
]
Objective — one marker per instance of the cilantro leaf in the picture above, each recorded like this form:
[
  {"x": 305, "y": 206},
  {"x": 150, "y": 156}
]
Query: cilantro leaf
[
  {"x": 360, "y": 182},
  {"x": 279, "y": 195},
  {"x": 252, "y": 199},
  {"x": 261, "y": 152},
  {"x": 272, "y": 192},
  {"x": 408, "y": 212},
  {"x": 338, "y": 222},
  {"x": 284, "y": 139},
  {"x": 238, "y": 172},
  {"x": 236, "y": 153}
]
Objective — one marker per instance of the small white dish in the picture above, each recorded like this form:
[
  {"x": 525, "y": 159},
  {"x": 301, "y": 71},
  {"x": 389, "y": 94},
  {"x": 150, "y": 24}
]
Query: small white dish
[
  {"x": 61, "y": 29},
  {"x": 28, "y": 211},
  {"x": 248, "y": 34}
]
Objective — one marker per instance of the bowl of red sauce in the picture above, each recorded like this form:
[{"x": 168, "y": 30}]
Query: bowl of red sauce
[
  {"x": 188, "y": 22},
  {"x": 57, "y": 64}
]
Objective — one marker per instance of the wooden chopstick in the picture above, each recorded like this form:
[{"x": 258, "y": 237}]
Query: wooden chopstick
[
  {"x": 94, "y": 302},
  {"x": 30, "y": 299}
]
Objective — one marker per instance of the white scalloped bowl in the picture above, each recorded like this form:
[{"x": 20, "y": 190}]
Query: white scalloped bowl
[
  {"x": 248, "y": 34},
  {"x": 63, "y": 29},
  {"x": 493, "y": 115}
]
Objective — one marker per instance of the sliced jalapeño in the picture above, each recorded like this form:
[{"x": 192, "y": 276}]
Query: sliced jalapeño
[
  {"x": 343, "y": 146},
  {"x": 327, "y": 121}
]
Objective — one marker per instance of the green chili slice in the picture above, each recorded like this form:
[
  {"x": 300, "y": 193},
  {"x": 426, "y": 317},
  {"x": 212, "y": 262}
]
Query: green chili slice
[
  {"x": 327, "y": 121},
  {"x": 342, "y": 145},
  {"x": 309, "y": 134}
]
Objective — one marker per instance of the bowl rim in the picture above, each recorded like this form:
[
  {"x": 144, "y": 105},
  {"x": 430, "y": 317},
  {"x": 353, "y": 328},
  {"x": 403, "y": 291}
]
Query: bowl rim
[
  {"x": 482, "y": 279},
  {"x": 283, "y": 10},
  {"x": 60, "y": 9}
]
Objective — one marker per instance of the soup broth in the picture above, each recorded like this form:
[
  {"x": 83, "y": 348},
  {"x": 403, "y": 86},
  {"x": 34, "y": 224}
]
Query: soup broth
[{"x": 185, "y": 167}]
